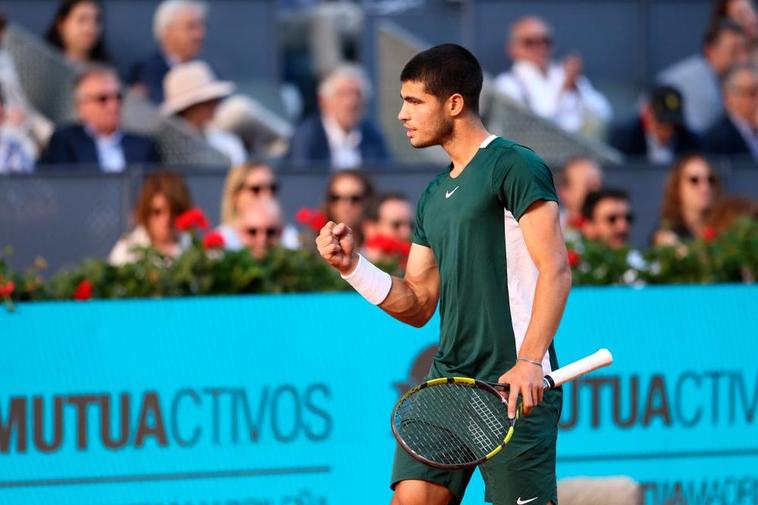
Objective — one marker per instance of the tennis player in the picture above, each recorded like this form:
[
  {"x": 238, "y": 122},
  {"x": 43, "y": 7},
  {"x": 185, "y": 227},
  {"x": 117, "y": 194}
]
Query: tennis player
[{"x": 487, "y": 245}]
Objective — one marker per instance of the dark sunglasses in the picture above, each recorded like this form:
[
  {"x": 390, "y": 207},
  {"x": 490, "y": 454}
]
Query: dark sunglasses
[
  {"x": 103, "y": 98},
  {"x": 537, "y": 41},
  {"x": 354, "y": 199},
  {"x": 628, "y": 217},
  {"x": 695, "y": 180},
  {"x": 256, "y": 189},
  {"x": 272, "y": 232}
]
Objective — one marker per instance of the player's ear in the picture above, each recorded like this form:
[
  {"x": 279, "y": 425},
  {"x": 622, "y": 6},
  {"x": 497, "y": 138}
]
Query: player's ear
[{"x": 455, "y": 105}]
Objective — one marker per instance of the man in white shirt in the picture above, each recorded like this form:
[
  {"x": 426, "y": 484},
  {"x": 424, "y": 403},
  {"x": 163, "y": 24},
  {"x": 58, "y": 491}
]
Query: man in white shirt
[
  {"x": 339, "y": 135},
  {"x": 556, "y": 91}
]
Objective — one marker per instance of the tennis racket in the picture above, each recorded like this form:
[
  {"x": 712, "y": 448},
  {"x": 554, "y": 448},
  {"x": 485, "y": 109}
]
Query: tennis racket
[{"x": 459, "y": 422}]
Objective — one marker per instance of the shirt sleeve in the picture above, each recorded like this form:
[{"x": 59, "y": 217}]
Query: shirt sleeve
[
  {"x": 520, "y": 179},
  {"x": 419, "y": 235}
]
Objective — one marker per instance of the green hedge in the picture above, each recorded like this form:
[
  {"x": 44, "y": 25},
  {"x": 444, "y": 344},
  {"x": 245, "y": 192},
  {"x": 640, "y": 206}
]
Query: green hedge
[{"x": 203, "y": 270}]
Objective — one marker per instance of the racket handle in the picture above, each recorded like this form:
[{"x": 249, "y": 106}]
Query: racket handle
[{"x": 578, "y": 368}]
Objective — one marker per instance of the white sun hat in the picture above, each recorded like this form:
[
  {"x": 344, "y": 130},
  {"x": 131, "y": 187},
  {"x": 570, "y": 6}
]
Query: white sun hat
[{"x": 191, "y": 83}]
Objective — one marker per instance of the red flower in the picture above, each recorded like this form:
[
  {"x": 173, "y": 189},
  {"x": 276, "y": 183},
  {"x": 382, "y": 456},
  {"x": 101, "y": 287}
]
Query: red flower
[
  {"x": 193, "y": 218},
  {"x": 214, "y": 240},
  {"x": 575, "y": 222},
  {"x": 83, "y": 291},
  {"x": 312, "y": 218},
  {"x": 573, "y": 258},
  {"x": 709, "y": 234},
  {"x": 389, "y": 245},
  {"x": 6, "y": 290}
]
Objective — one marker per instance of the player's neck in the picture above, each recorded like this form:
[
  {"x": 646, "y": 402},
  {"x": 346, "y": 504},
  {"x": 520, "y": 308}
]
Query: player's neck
[{"x": 464, "y": 143}]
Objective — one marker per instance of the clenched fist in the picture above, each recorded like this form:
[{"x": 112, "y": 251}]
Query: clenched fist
[{"x": 336, "y": 244}]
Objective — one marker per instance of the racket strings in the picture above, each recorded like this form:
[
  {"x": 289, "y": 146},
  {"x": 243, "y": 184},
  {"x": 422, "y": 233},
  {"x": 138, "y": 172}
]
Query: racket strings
[
  {"x": 487, "y": 415},
  {"x": 451, "y": 424}
]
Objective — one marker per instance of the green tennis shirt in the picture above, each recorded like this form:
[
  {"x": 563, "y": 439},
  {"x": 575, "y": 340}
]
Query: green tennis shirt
[{"x": 487, "y": 278}]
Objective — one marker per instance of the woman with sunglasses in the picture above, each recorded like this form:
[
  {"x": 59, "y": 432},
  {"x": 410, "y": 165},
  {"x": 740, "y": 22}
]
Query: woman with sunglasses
[
  {"x": 692, "y": 188},
  {"x": 163, "y": 197},
  {"x": 246, "y": 185},
  {"x": 349, "y": 194},
  {"x": 77, "y": 31}
]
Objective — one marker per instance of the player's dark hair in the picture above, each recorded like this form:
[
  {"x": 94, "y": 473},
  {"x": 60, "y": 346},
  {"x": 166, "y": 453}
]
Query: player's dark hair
[
  {"x": 445, "y": 70},
  {"x": 593, "y": 198}
]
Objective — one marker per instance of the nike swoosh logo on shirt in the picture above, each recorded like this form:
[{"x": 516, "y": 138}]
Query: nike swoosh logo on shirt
[
  {"x": 519, "y": 501},
  {"x": 448, "y": 194}
]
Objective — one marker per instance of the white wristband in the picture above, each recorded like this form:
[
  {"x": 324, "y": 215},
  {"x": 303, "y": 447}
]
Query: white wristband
[{"x": 368, "y": 280}]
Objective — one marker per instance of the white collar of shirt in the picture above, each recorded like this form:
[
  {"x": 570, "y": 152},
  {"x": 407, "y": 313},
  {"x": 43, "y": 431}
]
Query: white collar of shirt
[
  {"x": 530, "y": 73},
  {"x": 171, "y": 61},
  {"x": 344, "y": 146},
  {"x": 110, "y": 153},
  {"x": 657, "y": 152},
  {"x": 487, "y": 141},
  {"x": 749, "y": 135}
]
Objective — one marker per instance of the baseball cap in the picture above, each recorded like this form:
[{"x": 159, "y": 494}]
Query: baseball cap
[{"x": 667, "y": 104}]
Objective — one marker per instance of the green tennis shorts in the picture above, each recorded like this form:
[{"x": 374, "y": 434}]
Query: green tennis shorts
[{"x": 523, "y": 473}]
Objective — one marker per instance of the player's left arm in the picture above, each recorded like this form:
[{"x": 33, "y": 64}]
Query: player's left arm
[{"x": 541, "y": 229}]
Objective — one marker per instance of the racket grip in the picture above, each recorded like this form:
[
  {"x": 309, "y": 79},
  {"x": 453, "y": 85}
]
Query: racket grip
[{"x": 578, "y": 368}]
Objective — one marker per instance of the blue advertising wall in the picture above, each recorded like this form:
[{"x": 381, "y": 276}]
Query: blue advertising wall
[{"x": 285, "y": 400}]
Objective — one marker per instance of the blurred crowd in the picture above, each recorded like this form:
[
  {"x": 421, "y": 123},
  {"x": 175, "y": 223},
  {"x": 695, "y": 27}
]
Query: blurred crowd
[{"x": 705, "y": 105}]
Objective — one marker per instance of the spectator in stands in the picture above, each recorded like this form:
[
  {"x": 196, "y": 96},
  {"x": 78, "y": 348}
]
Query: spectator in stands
[
  {"x": 697, "y": 77},
  {"x": 179, "y": 29},
  {"x": 98, "y": 140},
  {"x": 16, "y": 150},
  {"x": 339, "y": 136},
  {"x": 164, "y": 196},
  {"x": 193, "y": 93},
  {"x": 260, "y": 227},
  {"x": 735, "y": 134},
  {"x": 659, "y": 133},
  {"x": 607, "y": 217},
  {"x": 245, "y": 185},
  {"x": 556, "y": 91},
  {"x": 20, "y": 115},
  {"x": 349, "y": 194},
  {"x": 692, "y": 188},
  {"x": 743, "y": 13},
  {"x": 580, "y": 175},
  {"x": 387, "y": 227},
  {"x": 77, "y": 31}
]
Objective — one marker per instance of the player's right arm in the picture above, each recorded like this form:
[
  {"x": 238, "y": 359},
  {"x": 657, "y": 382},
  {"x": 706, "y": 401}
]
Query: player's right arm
[{"x": 412, "y": 299}]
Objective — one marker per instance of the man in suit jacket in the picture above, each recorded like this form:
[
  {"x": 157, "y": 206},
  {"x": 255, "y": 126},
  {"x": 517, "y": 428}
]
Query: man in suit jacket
[
  {"x": 659, "y": 133},
  {"x": 339, "y": 136},
  {"x": 179, "y": 29},
  {"x": 735, "y": 134},
  {"x": 98, "y": 140}
]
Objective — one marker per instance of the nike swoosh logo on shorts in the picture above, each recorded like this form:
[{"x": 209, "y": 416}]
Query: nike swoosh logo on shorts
[
  {"x": 448, "y": 194},
  {"x": 519, "y": 501}
]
